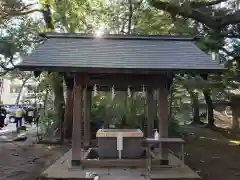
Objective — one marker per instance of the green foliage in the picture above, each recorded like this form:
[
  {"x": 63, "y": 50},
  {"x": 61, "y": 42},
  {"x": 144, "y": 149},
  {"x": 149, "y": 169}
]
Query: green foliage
[
  {"x": 46, "y": 1},
  {"x": 121, "y": 108},
  {"x": 21, "y": 75},
  {"x": 106, "y": 110},
  {"x": 113, "y": 17},
  {"x": 17, "y": 38},
  {"x": 47, "y": 124},
  {"x": 45, "y": 82},
  {"x": 174, "y": 129}
]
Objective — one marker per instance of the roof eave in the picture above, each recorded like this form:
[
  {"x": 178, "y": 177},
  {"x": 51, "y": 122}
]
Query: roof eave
[
  {"x": 118, "y": 36},
  {"x": 118, "y": 70}
]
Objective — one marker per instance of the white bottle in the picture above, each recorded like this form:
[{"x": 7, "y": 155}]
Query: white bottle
[{"x": 156, "y": 135}]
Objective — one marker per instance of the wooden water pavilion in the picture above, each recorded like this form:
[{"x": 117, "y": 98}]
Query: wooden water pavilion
[{"x": 120, "y": 61}]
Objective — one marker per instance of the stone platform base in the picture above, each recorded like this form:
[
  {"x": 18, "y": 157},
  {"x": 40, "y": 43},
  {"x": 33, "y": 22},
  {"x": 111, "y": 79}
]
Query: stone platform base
[{"x": 61, "y": 169}]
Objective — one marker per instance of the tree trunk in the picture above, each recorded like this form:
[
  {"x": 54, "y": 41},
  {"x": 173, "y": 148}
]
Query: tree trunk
[
  {"x": 130, "y": 16},
  {"x": 45, "y": 102},
  {"x": 1, "y": 90},
  {"x": 20, "y": 92},
  {"x": 57, "y": 84},
  {"x": 195, "y": 107},
  {"x": 210, "y": 115},
  {"x": 68, "y": 116}
]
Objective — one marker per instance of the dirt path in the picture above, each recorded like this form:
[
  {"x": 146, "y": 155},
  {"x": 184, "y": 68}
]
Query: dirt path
[
  {"x": 212, "y": 155},
  {"x": 25, "y": 161}
]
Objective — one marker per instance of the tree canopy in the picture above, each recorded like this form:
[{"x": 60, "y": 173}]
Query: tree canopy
[{"x": 216, "y": 22}]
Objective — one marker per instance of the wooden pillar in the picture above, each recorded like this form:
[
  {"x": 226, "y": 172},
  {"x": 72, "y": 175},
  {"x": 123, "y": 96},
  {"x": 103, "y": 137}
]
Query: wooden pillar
[
  {"x": 163, "y": 112},
  {"x": 87, "y": 116},
  {"x": 150, "y": 112},
  {"x": 77, "y": 121}
]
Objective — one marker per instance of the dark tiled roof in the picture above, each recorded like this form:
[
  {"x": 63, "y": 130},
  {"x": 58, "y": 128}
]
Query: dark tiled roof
[{"x": 154, "y": 53}]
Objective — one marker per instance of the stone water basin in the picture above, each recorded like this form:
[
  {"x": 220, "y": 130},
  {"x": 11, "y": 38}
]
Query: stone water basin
[{"x": 107, "y": 143}]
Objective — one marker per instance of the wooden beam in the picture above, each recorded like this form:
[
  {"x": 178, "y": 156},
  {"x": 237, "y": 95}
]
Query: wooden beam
[
  {"x": 77, "y": 121},
  {"x": 125, "y": 80},
  {"x": 108, "y": 88}
]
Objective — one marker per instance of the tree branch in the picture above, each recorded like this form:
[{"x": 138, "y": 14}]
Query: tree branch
[
  {"x": 207, "y": 3},
  {"x": 233, "y": 18},
  {"x": 195, "y": 14},
  {"x": 179, "y": 10},
  {"x": 4, "y": 65},
  {"x": 7, "y": 15},
  {"x": 230, "y": 34},
  {"x": 22, "y": 13},
  {"x": 27, "y": 6},
  {"x": 9, "y": 10}
]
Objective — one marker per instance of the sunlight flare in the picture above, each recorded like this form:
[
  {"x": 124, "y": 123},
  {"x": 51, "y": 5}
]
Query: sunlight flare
[{"x": 99, "y": 32}]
